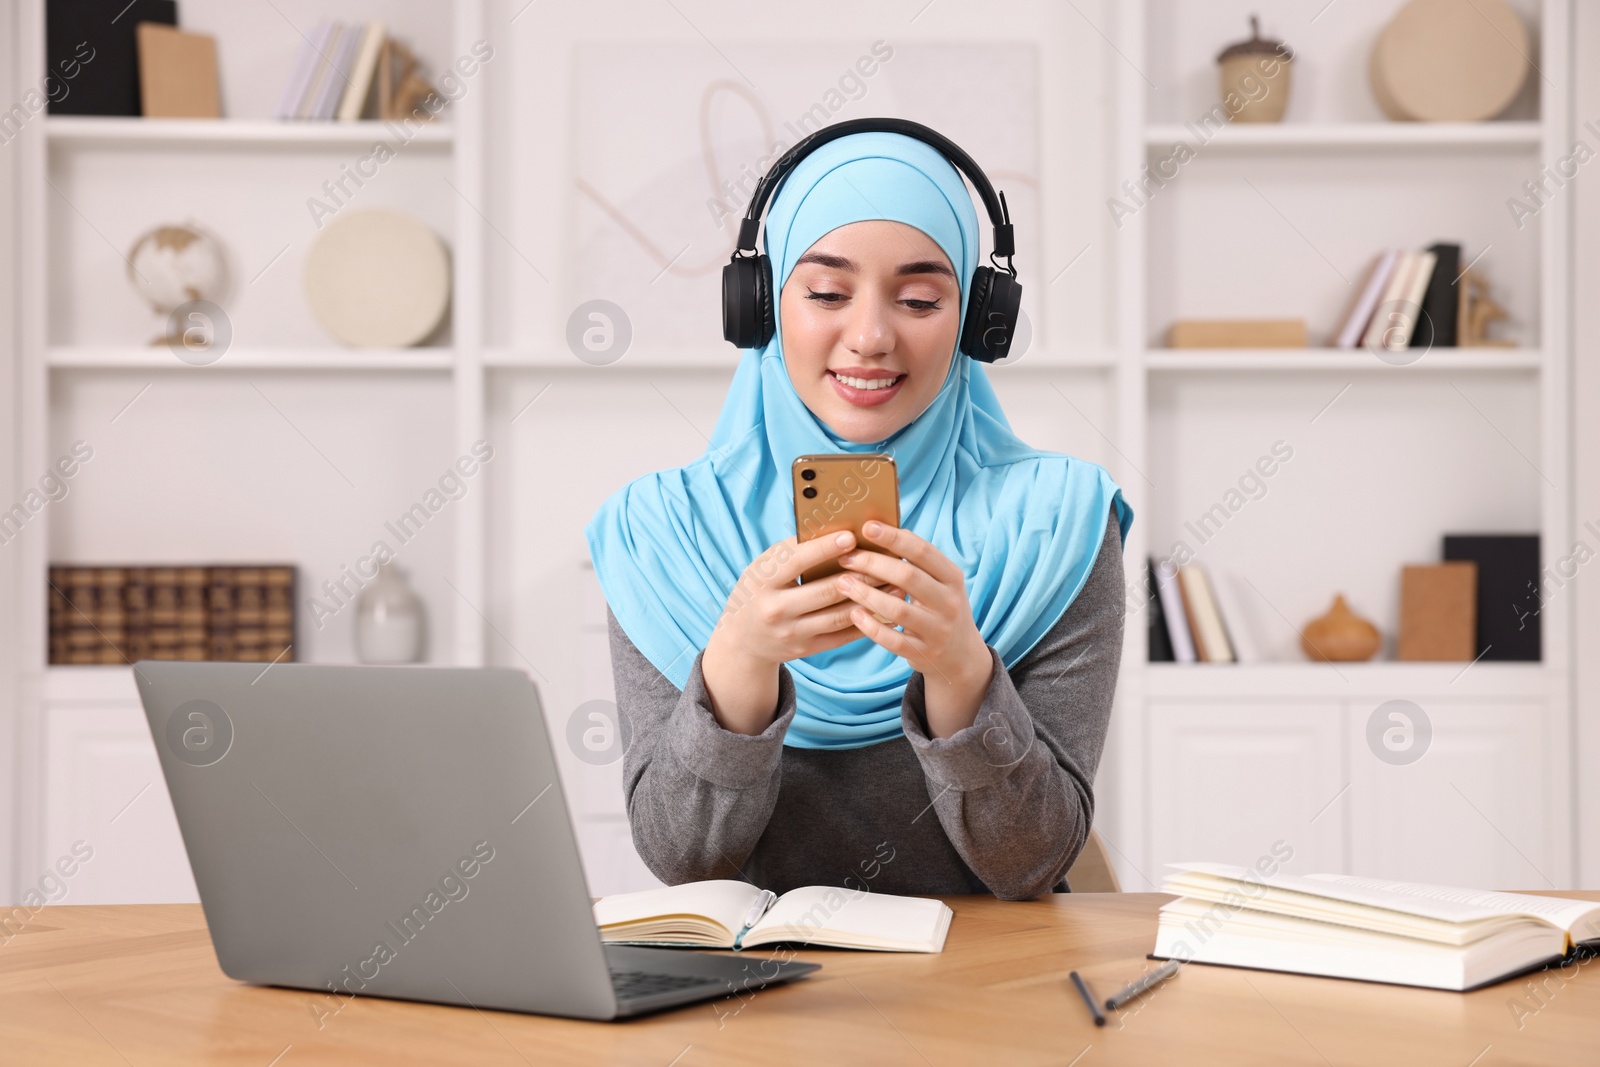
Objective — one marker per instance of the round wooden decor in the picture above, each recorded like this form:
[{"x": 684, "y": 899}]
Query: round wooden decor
[
  {"x": 378, "y": 279},
  {"x": 1450, "y": 60}
]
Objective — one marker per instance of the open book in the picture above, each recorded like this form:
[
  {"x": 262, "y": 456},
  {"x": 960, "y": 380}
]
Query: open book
[
  {"x": 723, "y": 913},
  {"x": 1341, "y": 926}
]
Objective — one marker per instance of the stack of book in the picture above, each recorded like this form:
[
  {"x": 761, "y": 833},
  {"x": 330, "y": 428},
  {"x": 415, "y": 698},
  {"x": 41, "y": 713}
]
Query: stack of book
[
  {"x": 121, "y": 615},
  {"x": 1370, "y": 929},
  {"x": 347, "y": 71},
  {"x": 1187, "y": 618},
  {"x": 1407, "y": 300}
]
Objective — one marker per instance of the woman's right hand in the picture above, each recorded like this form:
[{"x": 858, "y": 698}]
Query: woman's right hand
[{"x": 769, "y": 620}]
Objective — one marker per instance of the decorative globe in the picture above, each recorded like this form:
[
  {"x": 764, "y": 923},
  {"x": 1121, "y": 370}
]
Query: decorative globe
[{"x": 172, "y": 265}]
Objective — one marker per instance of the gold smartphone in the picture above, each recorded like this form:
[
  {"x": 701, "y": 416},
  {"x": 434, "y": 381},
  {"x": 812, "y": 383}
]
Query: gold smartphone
[{"x": 841, "y": 491}]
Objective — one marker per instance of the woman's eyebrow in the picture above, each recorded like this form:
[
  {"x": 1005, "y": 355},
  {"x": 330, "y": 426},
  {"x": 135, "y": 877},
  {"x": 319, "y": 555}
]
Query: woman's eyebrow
[
  {"x": 925, "y": 266},
  {"x": 827, "y": 260}
]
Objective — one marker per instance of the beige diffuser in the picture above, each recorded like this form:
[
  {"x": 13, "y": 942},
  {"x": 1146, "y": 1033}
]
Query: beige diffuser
[{"x": 1255, "y": 77}]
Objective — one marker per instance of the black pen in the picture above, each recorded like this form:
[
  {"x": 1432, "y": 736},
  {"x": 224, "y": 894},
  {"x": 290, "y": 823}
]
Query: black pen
[
  {"x": 1143, "y": 983},
  {"x": 1088, "y": 998}
]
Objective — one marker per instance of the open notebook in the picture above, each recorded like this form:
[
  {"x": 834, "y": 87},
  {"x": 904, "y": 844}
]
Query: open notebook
[
  {"x": 1341, "y": 926},
  {"x": 723, "y": 913}
]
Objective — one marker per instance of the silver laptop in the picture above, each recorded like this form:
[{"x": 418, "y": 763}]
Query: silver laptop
[{"x": 399, "y": 832}]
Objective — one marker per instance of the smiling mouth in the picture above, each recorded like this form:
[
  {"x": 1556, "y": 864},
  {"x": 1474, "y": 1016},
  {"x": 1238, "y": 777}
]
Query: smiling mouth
[
  {"x": 866, "y": 392},
  {"x": 868, "y": 384}
]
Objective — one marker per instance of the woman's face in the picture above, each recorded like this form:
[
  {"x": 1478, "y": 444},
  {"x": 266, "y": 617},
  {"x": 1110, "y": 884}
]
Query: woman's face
[{"x": 871, "y": 302}]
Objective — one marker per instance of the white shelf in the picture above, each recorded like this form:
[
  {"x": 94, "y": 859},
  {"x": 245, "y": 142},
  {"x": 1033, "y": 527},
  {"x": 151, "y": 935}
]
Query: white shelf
[
  {"x": 90, "y": 685},
  {"x": 161, "y": 358},
  {"x": 1291, "y": 360},
  {"x": 1399, "y": 135},
  {"x": 721, "y": 356},
  {"x": 93, "y": 131},
  {"x": 1385, "y": 680}
]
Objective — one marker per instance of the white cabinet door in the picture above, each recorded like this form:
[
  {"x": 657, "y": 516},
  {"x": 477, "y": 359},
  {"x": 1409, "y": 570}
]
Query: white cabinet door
[
  {"x": 1229, "y": 781},
  {"x": 1468, "y": 809},
  {"x": 104, "y": 788}
]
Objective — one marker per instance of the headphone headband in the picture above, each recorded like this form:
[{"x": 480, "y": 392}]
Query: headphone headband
[
  {"x": 994, "y": 203},
  {"x": 995, "y": 295}
]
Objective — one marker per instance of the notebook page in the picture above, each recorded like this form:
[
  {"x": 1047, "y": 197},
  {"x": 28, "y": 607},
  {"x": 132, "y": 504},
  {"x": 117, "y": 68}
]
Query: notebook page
[
  {"x": 722, "y": 899},
  {"x": 1450, "y": 904},
  {"x": 855, "y": 914},
  {"x": 1564, "y": 912}
]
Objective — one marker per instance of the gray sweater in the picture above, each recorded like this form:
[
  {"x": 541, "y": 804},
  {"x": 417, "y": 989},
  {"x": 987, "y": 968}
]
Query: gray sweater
[{"x": 1003, "y": 806}]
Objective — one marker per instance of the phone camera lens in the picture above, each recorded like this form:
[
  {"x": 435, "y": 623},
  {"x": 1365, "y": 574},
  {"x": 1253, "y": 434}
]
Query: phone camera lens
[
  {"x": 808, "y": 474},
  {"x": 808, "y": 492}
]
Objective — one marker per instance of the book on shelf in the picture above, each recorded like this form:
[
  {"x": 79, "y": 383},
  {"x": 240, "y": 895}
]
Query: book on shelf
[
  {"x": 1369, "y": 929},
  {"x": 1172, "y": 611},
  {"x": 343, "y": 72},
  {"x": 724, "y": 913},
  {"x": 1436, "y": 325},
  {"x": 1438, "y": 612},
  {"x": 1205, "y": 621},
  {"x": 1411, "y": 300},
  {"x": 98, "y": 40},
  {"x": 1396, "y": 314},
  {"x": 1404, "y": 299},
  {"x": 1201, "y": 616},
  {"x": 294, "y": 90},
  {"x": 321, "y": 43},
  {"x": 1418, "y": 294},
  {"x": 1510, "y": 593},
  {"x": 177, "y": 73},
  {"x": 1236, "y": 621},
  {"x": 1160, "y": 641},
  {"x": 1354, "y": 324},
  {"x": 354, "y": 101},
  {"x": 120, "y": 615},
  {"x": 341, "y": 58}
]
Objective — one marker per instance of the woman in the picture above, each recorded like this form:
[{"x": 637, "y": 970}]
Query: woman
[{"x": 779, "y": 732}]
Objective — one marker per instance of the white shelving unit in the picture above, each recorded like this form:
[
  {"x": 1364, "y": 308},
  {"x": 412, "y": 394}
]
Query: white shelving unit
[
  {"x": 1287, "y": 136},
  {"x": 1360, "y": 361},
  {"x": 290, "y": 447},
  {"x": 90, "y": 130},
  {"x": 82, "y": 736},
  {"x": 1222, "y": 761},
  {"x": 90, "y": 357}
]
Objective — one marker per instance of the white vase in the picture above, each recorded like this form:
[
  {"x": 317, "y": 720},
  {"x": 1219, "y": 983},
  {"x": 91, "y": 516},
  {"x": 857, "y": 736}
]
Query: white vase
[{"x": 389, "y": 620}]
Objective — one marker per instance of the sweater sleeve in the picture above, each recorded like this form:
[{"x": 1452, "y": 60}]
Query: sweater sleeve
[
  {"x": 698, "y": 796},
  {"x": 1015, "y": 790}
]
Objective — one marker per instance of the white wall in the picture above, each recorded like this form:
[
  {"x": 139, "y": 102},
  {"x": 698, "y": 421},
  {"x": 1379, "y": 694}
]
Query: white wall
[
  {"x": 9, "y": 479},
  {"x": 594, "y": 429},
  {"x": 1586, "y": 448}
]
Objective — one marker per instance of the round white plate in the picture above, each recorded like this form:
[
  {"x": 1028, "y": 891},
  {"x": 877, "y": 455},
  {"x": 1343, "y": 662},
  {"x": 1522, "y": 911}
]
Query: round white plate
[{"x": 378, "y": 279}]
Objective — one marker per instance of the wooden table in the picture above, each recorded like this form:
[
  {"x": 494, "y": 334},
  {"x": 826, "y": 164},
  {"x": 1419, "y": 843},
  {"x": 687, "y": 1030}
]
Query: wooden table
[{"x": 139, "y": 985}]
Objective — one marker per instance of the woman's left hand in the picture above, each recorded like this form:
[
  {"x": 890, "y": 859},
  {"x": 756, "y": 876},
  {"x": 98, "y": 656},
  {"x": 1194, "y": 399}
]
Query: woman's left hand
[{"x": 938, "y": 636}]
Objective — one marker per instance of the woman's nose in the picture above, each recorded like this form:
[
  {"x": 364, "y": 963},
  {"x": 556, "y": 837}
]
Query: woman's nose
[{"x": 869, "y": 331}]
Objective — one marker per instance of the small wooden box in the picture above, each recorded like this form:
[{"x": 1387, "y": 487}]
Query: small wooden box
[
  {"x": 1237, "y": 333},
  {"x": 1438, "y": 612}
]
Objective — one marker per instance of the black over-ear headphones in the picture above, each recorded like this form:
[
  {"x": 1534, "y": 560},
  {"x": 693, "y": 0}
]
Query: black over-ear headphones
[{"x": 993, "y": 298}]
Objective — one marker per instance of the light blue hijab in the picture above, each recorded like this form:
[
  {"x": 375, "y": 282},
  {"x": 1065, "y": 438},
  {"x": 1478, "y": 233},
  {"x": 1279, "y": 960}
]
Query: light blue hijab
[{"x": 1024, "y": 525}]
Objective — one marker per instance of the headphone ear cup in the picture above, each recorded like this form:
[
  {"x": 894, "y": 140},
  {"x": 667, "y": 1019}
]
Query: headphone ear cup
[
  {"x": 992, "y": 315},
  {"x": 746, "y": 304},
  {"x": 765, "y": 313},
  {"x": 977, "y": 303}
]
